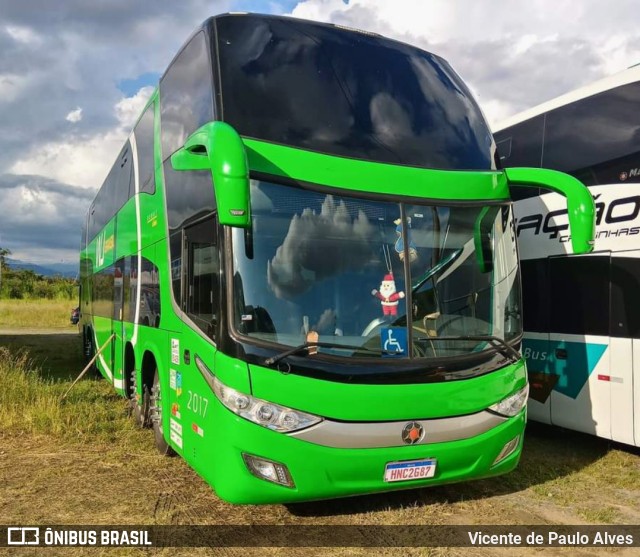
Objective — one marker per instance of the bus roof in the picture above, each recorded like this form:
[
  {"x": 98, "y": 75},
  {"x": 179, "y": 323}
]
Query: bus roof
[{"x": 630, "y": 75}]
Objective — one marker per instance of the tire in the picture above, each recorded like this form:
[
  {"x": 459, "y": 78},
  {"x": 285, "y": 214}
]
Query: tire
[
  {"x": 89, "y": 353},
  {"x": 139, "y": 404},
  {"x": 155, "y": 414}
]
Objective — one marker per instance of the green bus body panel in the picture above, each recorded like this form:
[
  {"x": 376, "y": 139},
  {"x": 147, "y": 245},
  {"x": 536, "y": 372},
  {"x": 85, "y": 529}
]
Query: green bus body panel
[
  {"x": 126, "y": 241},
  {"x": 361, "y": 402},
  {"x": 371, "y": 177},
  {"x": 321, "y": 472}
]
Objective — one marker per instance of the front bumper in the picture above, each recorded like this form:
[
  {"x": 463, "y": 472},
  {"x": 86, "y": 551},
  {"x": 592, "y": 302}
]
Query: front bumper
[{"x": 321, "y": 472}]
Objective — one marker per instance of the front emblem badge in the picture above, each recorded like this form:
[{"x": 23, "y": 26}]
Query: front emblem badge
[{"x": 412, "y": 433}]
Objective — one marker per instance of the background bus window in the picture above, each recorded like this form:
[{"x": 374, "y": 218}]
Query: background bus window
[
  {"x": 521, "y": 145},
  {"x": 596, "y": 139},
  {"x": 625, "y": 297},
  {"x": 579, "y": 295},
  {"x": 534, "y": 281}
]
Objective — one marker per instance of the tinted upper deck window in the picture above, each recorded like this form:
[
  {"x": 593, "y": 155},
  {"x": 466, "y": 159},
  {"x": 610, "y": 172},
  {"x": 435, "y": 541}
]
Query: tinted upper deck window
[
  {"x": 186, "y": 100},
  {"x": 347, "y": 93}
]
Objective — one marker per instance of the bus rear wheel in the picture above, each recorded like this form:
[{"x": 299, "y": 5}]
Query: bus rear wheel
[
  {"x": 155, "y": 414},
  {"x": 89, "y": 353},
  {"x": 139, "y": 403}
]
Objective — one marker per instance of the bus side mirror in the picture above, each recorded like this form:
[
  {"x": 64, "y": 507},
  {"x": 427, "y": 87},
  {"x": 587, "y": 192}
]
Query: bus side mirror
[
  {"x": 580, "y": 205},
  {"x": 217, "y": 147}
]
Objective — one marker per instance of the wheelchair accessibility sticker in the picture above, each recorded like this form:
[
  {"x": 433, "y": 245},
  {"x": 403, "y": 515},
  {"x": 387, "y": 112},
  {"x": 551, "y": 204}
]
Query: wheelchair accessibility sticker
[{"x": 393, "y": 341}]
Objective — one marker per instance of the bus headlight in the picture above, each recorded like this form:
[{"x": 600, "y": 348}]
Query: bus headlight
[
  {"x": 511, "y": 405},
  {"x": 261, "y": 412}
]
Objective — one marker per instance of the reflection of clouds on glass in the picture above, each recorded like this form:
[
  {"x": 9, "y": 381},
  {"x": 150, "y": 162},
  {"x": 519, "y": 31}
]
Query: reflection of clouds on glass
[
  {"x": 186, "y": 97},
  {"x": 456, "y": 105},
  {"x": 318, "y": 246},
  {"x": 256, "y": 63},
  {"x": 390, "y": 121},
  {"x": 327, "y": 322}
]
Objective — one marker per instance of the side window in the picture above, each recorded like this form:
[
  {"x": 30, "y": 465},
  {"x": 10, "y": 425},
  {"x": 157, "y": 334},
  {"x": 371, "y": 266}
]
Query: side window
[
  {"x": 102, "y": 292},
  {"x": 113, "y": 194},
  {"x": 186, "y": 95},
  {"x": 86, "y": 278},
  {"x": 118, "y": 290},
  {"x": 122, "y": 169},
  {"x": 189, "y": 196},
  {"x": 596, "y": 139},
  {"x": 175, "y": 246},
  {"x": 103, "y": 207},
  {"x": 144, "y": 133},
  {"x": 203, "y": 271},
  {"x": 92, "y": 228},
  {"x": 127, "y": 306},
  {"x": 85, "y": 224},
  {"x": 148, "y": 277}
]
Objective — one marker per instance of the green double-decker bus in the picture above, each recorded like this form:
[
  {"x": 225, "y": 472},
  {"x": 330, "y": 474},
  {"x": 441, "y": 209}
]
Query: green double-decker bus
[{"x": 302, "y": 267}]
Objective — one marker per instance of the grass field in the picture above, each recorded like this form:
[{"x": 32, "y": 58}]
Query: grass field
[
  {"x": 82, "y": 461},
  {"x": 35, "y": 314}
]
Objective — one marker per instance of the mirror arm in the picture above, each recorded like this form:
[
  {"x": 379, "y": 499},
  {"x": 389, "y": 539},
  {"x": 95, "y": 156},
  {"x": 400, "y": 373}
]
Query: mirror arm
[
  {"x": 217, "y": 147},
  {"x": 580, "y": 205}
]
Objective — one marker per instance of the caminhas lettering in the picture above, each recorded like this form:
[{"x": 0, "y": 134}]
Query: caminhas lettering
[{"x": 621, "y": 210}]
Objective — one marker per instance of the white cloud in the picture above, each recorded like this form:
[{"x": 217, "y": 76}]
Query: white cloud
[
  {"x": 513, "y": 55},
  {"x": 74, "y": 116},
  {"x": 10, "y": 86},
  {"x": 84, "y": 159},
  {"x": 130, "y": 108},
  {"x": 22, "y": 34}
]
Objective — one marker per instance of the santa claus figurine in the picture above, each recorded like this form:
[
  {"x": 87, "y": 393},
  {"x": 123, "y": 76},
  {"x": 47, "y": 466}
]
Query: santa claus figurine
[{"x": 388, "y": 296}]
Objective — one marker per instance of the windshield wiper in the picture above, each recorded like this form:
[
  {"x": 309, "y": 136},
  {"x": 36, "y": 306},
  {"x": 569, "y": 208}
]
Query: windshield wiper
[
  {"x": 437, "y": 268},
  {"x": 308, "y": 345},
  {"x": 498, "y": 343}
]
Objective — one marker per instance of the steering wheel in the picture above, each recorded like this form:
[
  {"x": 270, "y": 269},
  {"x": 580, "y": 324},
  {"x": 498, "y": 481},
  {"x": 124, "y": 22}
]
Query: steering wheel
[{"x": 375, "y": 323}]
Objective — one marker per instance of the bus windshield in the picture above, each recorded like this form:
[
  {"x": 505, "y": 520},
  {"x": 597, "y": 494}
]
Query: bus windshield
[
  {"x": 370, "y": 278},
  {"x": 346, "y": 93}
]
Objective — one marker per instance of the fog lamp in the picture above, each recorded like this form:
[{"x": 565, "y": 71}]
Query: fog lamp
[
  {"x": 268, "y": 470},
  {"x": 507, "y": 449}
]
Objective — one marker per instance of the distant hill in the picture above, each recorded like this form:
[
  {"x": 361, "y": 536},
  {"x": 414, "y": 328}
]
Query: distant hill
[{"x": 69, "y": 270}]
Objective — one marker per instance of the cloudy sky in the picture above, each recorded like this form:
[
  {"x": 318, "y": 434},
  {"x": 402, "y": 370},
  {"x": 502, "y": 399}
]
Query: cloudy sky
[{"x": 74, "y": 75}]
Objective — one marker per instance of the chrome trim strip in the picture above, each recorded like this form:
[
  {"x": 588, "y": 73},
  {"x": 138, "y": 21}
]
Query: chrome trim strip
[{"x": 370, "y": 435}]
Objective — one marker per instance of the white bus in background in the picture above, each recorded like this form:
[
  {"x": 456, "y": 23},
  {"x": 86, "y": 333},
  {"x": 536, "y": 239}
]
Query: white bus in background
[{"x": 582, "y": 312}]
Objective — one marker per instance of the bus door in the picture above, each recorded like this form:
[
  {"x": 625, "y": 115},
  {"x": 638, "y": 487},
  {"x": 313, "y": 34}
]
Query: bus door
[
  {"x": 117, "y": 326},
  {"x": 579, "y": 356}
]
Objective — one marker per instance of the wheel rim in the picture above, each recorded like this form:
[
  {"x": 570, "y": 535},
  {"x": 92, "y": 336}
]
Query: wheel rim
[{"x": 156, "y": 405}]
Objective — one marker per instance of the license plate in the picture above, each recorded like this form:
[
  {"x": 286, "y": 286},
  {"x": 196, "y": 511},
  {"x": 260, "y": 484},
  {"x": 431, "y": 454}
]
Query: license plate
[{"x": 410, "y": 470}]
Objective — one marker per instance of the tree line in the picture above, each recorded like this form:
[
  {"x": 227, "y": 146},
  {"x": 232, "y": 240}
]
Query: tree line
[{"x": 24, "y": 284}]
